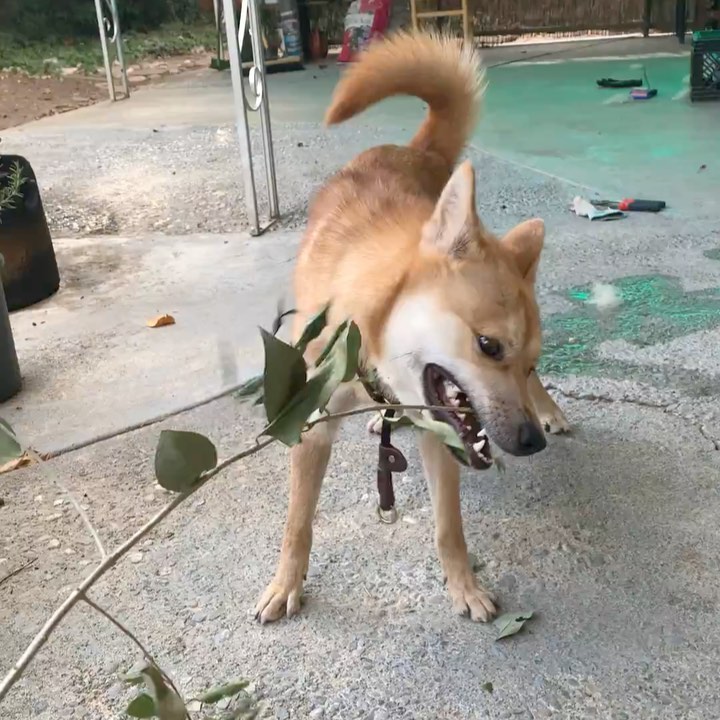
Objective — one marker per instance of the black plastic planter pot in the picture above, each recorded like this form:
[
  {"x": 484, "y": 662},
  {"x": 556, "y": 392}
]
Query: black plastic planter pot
[
  {"x": 31, "y": 272},
  {"x": 9, "y": 369}
]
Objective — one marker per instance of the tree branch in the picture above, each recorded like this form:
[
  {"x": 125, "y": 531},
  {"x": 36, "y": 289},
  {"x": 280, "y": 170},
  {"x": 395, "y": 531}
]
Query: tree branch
[
  {"x": 380, "y": 408},
  {"x": 52, "y": 476},
  {"x": 25, "y": 565},
  {"x": 111, "y": 560},
  {"x": 132, "y": 637}
]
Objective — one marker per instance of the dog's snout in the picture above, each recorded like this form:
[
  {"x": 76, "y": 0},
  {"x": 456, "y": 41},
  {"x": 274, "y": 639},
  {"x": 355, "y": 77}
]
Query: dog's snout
[{"x": 531, "y": 438}]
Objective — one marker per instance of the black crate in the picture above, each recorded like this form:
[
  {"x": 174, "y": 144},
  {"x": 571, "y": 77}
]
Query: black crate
[{"x": 705, "y": 66}]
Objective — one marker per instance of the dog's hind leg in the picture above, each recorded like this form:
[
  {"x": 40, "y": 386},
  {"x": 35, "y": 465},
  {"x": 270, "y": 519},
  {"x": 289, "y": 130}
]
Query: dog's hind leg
[
  {"x": 443, "y": 477},
  {"x": 551, "y": 417},
  {"x": 308, "y": 463}
]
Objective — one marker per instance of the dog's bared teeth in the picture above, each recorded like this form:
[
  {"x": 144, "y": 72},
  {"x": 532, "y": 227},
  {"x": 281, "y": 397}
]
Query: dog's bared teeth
[
  {"x": 478, "y": 446},
  {"x": 454, "y": 401},
  {"x": 482, "y": 433}
]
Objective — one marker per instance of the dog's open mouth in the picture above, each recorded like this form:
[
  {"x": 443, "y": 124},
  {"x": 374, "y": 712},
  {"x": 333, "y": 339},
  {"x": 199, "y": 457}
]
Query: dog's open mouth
[{"x": 442, "y": 389}]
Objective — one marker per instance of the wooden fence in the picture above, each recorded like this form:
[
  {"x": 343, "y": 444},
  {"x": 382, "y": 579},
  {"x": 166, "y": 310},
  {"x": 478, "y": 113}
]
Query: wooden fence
[
  {"x": 566, "y": 17},
  {"x": 530, "y": 16}
]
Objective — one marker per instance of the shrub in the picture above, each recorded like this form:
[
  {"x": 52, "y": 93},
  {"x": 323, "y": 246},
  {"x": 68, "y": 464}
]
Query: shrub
[{"x": 33, "y": 20}]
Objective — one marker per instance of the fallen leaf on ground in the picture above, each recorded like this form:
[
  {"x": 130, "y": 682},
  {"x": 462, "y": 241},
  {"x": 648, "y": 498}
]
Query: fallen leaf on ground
[
  {"x": 16, "y": 463},
  {"x": 511, "y": 623},
  {"x": 161, "y": 321}
]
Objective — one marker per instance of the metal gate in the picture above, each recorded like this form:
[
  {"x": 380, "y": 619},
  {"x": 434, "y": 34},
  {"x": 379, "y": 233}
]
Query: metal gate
[{"x": 257, "y": 101}]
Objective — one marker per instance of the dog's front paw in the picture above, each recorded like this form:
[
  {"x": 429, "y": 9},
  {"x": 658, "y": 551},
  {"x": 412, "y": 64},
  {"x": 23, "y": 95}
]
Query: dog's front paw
[
  {"x": 554, "y": 421},
  {"x": 281, "y": 598},
  {"x": 469, "y": 597}
]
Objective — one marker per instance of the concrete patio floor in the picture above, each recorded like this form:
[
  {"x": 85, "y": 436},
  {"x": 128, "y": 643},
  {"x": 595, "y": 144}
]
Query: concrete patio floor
[{"x": 609, "y": 535}]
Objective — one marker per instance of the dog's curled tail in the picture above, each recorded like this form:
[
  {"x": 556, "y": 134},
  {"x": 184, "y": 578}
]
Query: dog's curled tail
[{"x": 440, "y": 70}]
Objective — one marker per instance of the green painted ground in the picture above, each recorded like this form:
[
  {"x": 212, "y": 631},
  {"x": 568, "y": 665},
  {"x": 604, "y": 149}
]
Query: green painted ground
[
  {"x": 554, "y": 118},
  {"x": 654, "y": 309}
]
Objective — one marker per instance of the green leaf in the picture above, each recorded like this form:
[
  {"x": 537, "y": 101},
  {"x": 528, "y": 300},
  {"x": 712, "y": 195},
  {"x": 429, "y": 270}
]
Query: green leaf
[
  {"x": 341, "y": 362},
  {"x": 339, "y": 330},
  {"x": 246, "y": 712},
  {"x": 289, "y": 424},
  {"x": 9, "y": 447},
  {"x": 340, "y": 365},
  {"x": 511, "y": 623},
  {"x": 444, "y": 431},
  {"x": 313, "y": 329},
  {"x": 352, "y": 352},
  {"x": 169, "y": 705},
  {"x": 222, "y": 691},
  {"x": 488, "y": 687},
  {"x": 143, "y": 706},
  {"x": 181, "y": 457},
  {"x": 285, "y": 374}
]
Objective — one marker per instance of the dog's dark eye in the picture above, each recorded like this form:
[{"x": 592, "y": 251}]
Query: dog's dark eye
[{"x": 490, "y": 346}]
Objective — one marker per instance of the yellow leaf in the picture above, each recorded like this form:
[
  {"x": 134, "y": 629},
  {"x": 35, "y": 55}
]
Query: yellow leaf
[
  {"x": 161, "y": 321},
  {"x": 16, "y": 463}
]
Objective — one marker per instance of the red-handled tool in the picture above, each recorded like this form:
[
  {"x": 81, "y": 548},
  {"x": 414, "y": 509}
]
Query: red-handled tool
[{"x": 632, "y": 205}]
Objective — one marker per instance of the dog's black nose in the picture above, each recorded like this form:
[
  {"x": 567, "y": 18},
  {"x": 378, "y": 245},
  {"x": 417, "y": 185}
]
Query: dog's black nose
[{"x": 531, "y": 439}]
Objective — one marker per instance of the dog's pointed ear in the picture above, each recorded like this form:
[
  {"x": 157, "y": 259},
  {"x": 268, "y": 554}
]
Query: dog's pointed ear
[
  {"x": 454, "y": 224},
  {"x": 525, "y": 242}
]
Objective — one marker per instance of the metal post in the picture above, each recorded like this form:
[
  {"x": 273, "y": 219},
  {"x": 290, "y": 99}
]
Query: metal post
[
  {"x": 241, "y": 115},
  {"x": 259, "y": 59},
  {"x": 647, "y": 18},
  {"x": 117, "y": 39},
  {"x": 218, "y": 28},
  {"x": 680, "y": 20},
  {"x": 104, "y": 44},
  {"x": 259, "y": 102},
  {"x": 112, "y": 22}
]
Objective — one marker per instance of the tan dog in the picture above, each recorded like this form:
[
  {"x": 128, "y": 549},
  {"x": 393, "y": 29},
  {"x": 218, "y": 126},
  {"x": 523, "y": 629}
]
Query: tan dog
[{"x": 447, "y": 311}]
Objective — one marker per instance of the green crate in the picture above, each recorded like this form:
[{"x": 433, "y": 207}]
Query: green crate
[
  {"x": 705, "y": 66},
  {"x": 702, "y": 35}
]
